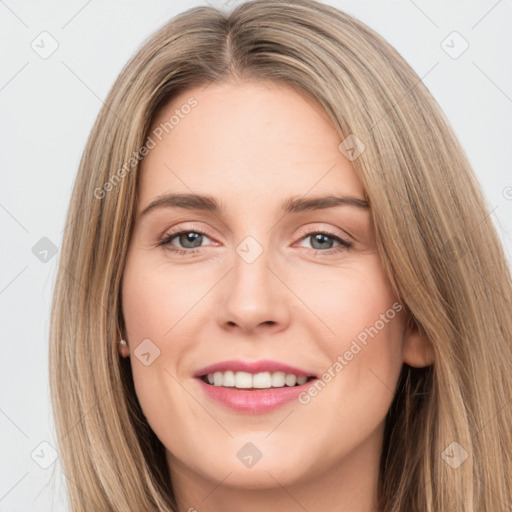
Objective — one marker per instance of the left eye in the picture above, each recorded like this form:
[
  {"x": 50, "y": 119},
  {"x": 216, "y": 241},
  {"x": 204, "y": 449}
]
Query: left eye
[
  {"x": 321, "y": 239},
  {"x": 193, "y": 240}
]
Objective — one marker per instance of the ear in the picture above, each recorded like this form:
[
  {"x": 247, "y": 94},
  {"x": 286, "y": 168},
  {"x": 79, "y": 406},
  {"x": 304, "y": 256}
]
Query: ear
[{"x": 417, "y": 350}]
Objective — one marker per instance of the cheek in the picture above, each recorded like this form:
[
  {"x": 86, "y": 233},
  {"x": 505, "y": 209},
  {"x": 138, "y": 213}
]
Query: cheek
[
  {"x": 364, "y": 342},
  {"x": 351, "y": 302},
  {"x": 363, "y": 362},
  {"x": 154, "y": 300},
  {"x": 158, "y": 313}
]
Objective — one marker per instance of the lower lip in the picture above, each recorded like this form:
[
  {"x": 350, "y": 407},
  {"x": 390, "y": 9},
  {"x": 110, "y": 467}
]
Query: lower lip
[{"x": 255, "y": 402}]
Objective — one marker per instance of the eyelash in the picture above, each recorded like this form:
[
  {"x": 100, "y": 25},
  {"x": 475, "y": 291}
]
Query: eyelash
[{"x": 165, "y": 241}]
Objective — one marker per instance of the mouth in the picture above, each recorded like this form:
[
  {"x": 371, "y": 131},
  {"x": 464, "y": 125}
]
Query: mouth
[{"x": 253, "y": 387}]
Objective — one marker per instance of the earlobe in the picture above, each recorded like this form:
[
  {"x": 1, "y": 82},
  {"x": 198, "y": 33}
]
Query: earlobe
[
  {"x": 417, "y": 350},
  {"x": 124, "y": 350}
]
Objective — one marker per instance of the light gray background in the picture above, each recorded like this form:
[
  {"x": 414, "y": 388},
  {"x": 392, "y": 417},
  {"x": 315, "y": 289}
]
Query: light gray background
[{"x": 48, "y": 107}]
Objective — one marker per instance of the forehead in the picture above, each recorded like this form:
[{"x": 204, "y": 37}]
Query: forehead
[{"x": 245, "y": 140}]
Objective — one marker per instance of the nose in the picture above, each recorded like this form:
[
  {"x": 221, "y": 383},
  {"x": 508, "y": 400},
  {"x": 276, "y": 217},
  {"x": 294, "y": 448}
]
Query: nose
[{"x": 253, "y": 298}]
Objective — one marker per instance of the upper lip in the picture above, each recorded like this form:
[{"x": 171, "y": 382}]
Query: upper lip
[{"x": 252, "y": 367}]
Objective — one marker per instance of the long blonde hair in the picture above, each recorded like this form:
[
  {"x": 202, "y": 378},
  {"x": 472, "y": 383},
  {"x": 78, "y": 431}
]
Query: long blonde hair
[{"x": 434, "y": 234}]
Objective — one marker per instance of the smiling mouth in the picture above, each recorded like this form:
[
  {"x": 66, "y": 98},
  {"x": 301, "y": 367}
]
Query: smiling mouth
[{"x": 245, "y": 381}]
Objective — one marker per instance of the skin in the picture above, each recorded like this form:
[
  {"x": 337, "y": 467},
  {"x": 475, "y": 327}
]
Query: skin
[{"x": 253, "y": 145}]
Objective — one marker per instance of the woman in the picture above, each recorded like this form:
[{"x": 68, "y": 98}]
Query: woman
[{"x": 281, "y": 286}]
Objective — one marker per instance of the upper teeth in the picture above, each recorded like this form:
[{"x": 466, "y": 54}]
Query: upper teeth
[{"x": 257, "y": 380}]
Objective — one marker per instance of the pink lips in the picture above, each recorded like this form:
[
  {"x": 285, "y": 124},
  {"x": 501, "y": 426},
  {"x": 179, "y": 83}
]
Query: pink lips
[{"x": 255, "y": 401}]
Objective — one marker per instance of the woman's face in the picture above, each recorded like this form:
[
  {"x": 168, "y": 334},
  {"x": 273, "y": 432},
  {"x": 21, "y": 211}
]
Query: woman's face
[{"x": 274, "y": 285}]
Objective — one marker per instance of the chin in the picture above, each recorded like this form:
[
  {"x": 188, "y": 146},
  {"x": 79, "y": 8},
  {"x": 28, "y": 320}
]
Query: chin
[
  {"x": 261, "y": 476},
  {"x": 257, "y": 465}
]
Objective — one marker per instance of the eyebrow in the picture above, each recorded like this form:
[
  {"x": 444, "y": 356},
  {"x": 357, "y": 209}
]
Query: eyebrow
[{"x": 291, "y": 205}]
